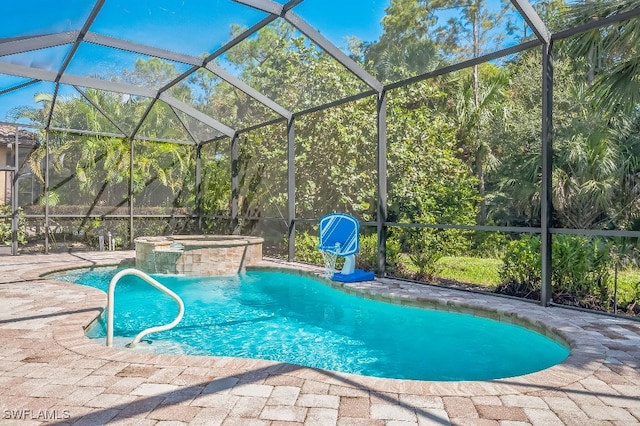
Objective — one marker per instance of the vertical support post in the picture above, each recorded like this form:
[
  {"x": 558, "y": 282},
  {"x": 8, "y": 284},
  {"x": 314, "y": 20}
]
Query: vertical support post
[
  {"x": 199, "y": 188},
  {"x": 382, "y": 182},
  {"x": 291, "y": 189},
  {"x": 14, "y": 194},
  {"x": 235, "y": 185},
  {"x": 547, "y": 158},
  {"x": 46, "y": 192},
  {"x": 131, "y": 157}
]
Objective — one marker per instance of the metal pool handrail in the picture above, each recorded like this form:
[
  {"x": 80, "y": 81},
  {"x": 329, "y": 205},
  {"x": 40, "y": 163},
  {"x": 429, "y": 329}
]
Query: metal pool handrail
[{"x": 156, "y": 284}]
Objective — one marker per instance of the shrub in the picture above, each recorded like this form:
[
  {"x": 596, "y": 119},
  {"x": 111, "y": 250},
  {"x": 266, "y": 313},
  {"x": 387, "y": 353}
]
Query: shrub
[
  {"x": 427, "y": 246},
  {"x": 5, "y": 226},
  {"x": 425, "y": 249},
  {"x": 394, "y": 248},
  {"x": 367, "y": 258},
  {"x": 307, "y": 248},
  {"x": 489, "y": 244},
  {"x": 580, "y": 269},
  {"x": 521, "y": 269},
  {"x": 427, "y": 263}
]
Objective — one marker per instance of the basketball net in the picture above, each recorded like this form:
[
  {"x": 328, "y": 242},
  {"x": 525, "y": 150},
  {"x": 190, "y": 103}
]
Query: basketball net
[{"x": 330, "y": 255}]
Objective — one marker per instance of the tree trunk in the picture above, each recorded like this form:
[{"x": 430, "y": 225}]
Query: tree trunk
[{"x": 482, "y": 211}]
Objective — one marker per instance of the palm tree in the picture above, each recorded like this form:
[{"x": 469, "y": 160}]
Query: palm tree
[
  {"x": 612, "y": 53},
  {"x": 476, "y": 108}
]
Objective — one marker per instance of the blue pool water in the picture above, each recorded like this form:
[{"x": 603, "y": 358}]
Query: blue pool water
[{"x": 299, "y": 320}]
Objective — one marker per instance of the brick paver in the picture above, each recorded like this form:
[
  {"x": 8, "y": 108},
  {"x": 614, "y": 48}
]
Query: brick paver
[
  {"x": 284, "y": 413},
  {"x": 50, "y": 370},
  {"x": 354, "y": 407},
  {"x": 284, "y": 395},
  {"x": 498, "y": 412},
  {"x": 319, "y": 401},
  {"x": 460, "y": 407}
]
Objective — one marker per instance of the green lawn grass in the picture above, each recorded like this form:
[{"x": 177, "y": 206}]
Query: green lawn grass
[
  {"x": 628, "y": 285},
  {"x": 486, "y": 272},
  {"x": 474, "y": 270}
]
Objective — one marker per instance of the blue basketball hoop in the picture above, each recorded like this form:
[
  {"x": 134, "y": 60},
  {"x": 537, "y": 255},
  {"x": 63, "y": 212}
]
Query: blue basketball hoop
[{"x": 339, "y": 235}]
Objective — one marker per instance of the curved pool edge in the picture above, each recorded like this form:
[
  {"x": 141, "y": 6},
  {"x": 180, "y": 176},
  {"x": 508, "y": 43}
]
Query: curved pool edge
[
  {"x": 584, "y": 357},
  {"x": 587, "y": 354}
]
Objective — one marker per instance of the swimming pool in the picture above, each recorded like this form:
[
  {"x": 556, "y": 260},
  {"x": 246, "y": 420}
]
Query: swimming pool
[{"x": 296, "y": 319}]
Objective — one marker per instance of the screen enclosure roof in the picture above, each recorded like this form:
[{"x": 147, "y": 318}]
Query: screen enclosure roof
[{"x": 201, "y": 62}]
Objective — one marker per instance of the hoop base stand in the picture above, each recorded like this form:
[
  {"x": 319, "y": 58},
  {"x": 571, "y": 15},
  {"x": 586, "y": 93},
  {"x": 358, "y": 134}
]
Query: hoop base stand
[
  {"x": 348, "y": 274},
  {"x": 357, "y": 276},
  {"x": 349, "y": 266}
]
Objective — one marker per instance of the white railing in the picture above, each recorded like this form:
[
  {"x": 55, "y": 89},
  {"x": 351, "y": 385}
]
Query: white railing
[{"x": 156, "y": 284}]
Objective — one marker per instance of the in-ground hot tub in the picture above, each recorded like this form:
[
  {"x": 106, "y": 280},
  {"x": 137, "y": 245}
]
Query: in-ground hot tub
[{"x": 198, "y": 254}]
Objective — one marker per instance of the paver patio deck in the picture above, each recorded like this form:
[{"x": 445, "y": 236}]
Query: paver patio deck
[{"x": 51, "y": 373}]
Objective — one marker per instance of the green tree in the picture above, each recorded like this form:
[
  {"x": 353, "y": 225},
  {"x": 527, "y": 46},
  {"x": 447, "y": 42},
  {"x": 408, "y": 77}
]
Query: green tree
[
  {"x": 95, "y": 169},
  {"x": 330, "y": 145},
  {"x": 596, "y": 155},
  {"x": 428, "y": 183},
  {"x": 475, "y": 113},
  {"x": 286, "y": 66},
  {"x": 469, "y": 34},
  {"x": 335, "y": 161},
  {"x": 611, "y": 54},
  {"x": 406, "y": 47}
]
